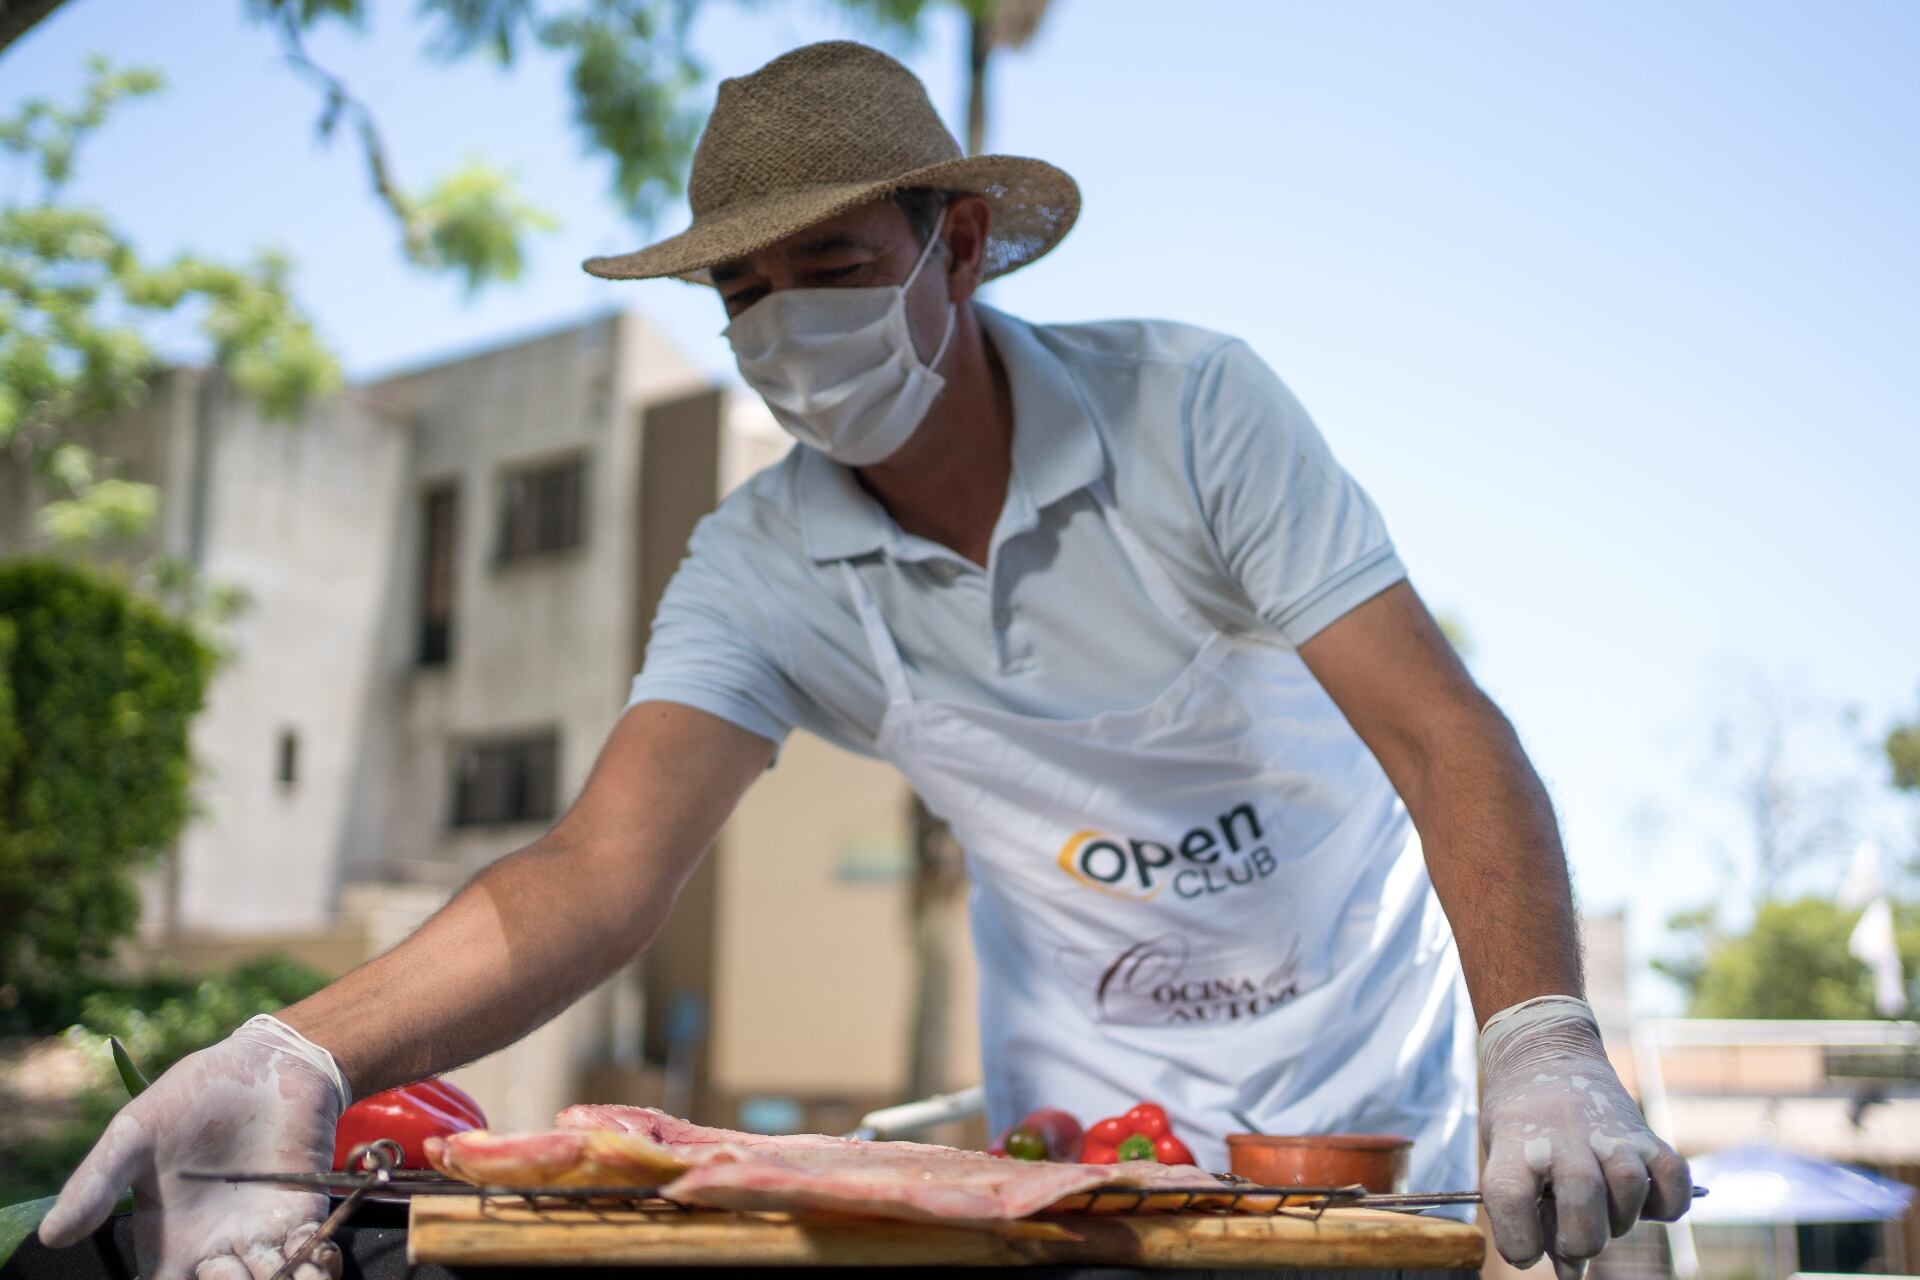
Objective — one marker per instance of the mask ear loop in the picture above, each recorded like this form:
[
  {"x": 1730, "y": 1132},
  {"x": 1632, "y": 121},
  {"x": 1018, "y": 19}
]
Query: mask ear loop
[
  {"x": 945, "y": 338},
  {"x": 946, "y": 335}
]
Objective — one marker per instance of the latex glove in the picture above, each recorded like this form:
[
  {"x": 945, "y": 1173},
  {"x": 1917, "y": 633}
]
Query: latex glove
[
  {"x": 263, "y": 1098},
  {"x": 1553, "y": 1112}
]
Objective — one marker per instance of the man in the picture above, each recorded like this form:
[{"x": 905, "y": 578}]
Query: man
[{"x": 1106, "y": 599}]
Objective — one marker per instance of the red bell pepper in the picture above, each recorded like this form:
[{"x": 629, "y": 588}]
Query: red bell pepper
[
  {"x": 409, "y": 1115},
  {"x": 1141, "y": 1134}
]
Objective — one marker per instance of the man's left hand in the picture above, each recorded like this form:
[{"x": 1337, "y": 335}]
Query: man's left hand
[{"x": 1554, "y": 1114}]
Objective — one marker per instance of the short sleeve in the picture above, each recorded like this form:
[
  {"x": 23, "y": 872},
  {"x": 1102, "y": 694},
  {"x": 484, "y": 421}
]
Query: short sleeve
[
  {"x": 1298, "y": 534},
  {"x": 712, "y": 646}
]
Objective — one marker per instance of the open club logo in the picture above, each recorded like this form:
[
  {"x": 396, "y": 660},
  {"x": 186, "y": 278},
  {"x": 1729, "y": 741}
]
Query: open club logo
[
  {"x": 1229, "y": 853},
  {"x": 1159, "y": 982}
]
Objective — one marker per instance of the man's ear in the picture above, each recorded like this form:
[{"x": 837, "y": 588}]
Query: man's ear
[{"x": 969, "y": 219}]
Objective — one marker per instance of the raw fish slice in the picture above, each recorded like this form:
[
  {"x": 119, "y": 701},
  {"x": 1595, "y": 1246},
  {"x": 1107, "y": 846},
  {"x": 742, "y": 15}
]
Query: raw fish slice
[
  {"x": 728, "y": 1169},
  {"x": 958, "y": 1186},
  {"x": 558, "y": 1159},
  {"x": 672, "y": 1131}
]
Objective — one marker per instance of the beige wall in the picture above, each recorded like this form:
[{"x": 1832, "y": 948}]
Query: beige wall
[{"x": 813, "y": 969}]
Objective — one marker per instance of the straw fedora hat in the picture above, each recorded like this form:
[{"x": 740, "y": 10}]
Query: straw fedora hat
[{"x": 826, "y": 128}]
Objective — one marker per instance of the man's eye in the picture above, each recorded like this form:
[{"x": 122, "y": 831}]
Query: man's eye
[
  {"x": 837, "y": 273},
  {"x": 738, "y": 302}
]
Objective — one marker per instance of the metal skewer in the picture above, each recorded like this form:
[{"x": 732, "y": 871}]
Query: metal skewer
[
  {"x": 405, "y": 1182},
  {"x": 1230, "y": 1193},
  {"x": 1229, "y": 1190}
]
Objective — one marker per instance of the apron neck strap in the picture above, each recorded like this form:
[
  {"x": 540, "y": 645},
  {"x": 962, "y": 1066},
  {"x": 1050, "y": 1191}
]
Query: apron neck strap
[
  {"x": 886, "y": 654},
  {"x": 1154, "y": 579}
]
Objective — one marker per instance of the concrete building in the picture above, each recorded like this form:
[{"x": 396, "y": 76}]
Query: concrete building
[{"x": 451, "y": 571}]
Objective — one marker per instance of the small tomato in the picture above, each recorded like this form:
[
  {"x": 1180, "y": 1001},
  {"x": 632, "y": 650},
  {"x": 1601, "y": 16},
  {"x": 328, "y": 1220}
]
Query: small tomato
[
  {"x": 1024, "y": 1143},
  {"x": 1168, "y": 1149},
  {"x": 1148, "y": 1118},
  {"x": 1060, "y": 1130}
]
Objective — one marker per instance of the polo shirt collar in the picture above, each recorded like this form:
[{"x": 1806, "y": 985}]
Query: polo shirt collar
[{"x": 1056, "y": 452}]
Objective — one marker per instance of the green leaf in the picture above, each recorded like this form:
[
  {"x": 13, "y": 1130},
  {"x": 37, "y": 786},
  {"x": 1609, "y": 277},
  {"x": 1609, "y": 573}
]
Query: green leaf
[
  {"x": 79, "y": 308},
  {"x": 474, "y": 222},
  {"x": 101, "y": 514},
  {"x": 129, "y": 1074},
  {"x": 17, "y": 1222}
]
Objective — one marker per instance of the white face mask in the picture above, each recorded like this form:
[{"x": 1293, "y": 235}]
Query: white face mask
[{"x": 838, "y": 366}]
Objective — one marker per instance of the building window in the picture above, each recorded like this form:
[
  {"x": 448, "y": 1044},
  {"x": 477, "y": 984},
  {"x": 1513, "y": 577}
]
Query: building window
[
  {"x": 541, "y": 509},
  {"x": 287, "y": 762},
  {"x": 507, "y": 780},
  {"x": 441, "y": 514}
]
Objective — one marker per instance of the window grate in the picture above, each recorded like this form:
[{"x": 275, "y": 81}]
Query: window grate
[
  {"x": 506, "y": 781},
  {"x": 541, "y": 509}
]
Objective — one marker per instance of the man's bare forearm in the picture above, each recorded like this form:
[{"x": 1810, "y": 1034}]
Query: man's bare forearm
[
  {"x": 538, "y": 929},
  {"x": 1485, "y": 823},
  {"x": 1493, "y": 850},
  {"x": 524, "y": 939}
]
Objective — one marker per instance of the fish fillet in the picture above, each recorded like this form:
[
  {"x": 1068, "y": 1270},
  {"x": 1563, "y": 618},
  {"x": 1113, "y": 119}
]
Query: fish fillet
[
  {"x": 727, "y": 1169},
  {"x": 564, "y": 1158}
]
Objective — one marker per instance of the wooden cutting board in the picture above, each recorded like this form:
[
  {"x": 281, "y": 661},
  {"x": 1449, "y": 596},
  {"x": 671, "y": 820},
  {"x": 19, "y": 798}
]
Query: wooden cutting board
[{"x": 457, "y": 1230}]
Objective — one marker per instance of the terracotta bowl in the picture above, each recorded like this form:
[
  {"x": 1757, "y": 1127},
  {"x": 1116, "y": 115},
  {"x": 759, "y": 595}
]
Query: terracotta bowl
[{"x": 1377, "y": 1161}]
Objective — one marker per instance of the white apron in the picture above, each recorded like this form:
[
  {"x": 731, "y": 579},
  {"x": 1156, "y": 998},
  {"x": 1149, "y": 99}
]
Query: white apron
[{"x": 1214, "y": 901}]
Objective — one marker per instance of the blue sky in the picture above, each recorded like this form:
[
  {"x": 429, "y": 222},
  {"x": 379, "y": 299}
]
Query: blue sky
[{"x": 1606, "y": 304}]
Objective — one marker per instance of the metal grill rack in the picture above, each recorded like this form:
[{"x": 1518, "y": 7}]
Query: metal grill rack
[
  {"x": 1234, "y": 1196},
  {"x": 374, "y": 1175}
]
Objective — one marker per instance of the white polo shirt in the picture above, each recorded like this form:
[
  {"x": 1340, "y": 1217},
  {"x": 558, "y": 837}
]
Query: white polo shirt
[{"x": 1209, "y": 459}]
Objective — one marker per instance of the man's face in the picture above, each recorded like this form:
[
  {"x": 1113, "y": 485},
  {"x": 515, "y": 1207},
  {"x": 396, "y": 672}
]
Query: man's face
[{"x": 872, "y": 245}]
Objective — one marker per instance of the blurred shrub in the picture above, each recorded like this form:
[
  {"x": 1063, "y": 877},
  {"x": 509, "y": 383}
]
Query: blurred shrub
[
  {"x": 1792, "y": 961},
  {"x": 97, "y": 689},
  {"x": 162, "y": 1019}
]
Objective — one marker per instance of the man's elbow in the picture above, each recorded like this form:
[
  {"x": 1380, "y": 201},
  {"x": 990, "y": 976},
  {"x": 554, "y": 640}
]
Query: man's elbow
[
  {"x": 1466, "y": 742},
  {"x": 597, "y": 895}
]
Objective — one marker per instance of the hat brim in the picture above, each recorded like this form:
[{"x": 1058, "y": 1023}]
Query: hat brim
[{"x": 1034, "y": 204}]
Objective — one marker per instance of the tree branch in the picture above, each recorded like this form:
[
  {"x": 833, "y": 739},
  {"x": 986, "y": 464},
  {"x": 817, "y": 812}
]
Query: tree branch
[{"x": 339, "y": 100}]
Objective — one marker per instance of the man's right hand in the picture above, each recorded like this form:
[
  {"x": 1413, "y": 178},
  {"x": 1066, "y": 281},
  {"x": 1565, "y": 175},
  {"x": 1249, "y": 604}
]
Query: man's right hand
[{"x": 264, "y": 1098}]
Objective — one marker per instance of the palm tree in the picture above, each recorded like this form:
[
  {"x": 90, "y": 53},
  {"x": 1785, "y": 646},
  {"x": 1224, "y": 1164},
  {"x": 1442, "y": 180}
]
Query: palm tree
[{"x": 993, "y": 24}]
